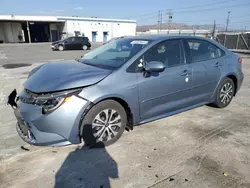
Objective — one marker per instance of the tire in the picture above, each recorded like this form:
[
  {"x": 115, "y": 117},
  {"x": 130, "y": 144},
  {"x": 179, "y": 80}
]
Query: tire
[
  {"x": 60, "y": 48},
  {"x": 84, "y": 47},
  {"x": 224, "y": 93},
  {"x": 98, "y": 133}
]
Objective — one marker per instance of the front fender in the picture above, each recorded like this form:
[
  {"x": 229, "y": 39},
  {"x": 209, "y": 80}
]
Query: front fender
[{"x": 95, "y": 94}]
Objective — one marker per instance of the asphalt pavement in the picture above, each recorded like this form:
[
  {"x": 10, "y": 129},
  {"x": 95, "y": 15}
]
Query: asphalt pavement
[{"x": 37, "y": 53}]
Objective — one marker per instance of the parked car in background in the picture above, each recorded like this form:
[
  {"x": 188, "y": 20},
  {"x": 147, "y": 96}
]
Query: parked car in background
[
  {"x": 112, "y": 89},
  {"x": 72, "y": 43}
]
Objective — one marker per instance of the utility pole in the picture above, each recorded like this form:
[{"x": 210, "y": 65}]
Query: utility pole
[
  {"x": 170, "y": 16},
  {"x": 161, "y": 22},
  {"x": 158, "y": 21},
  {"x": 214, "y": 28},
  {"x": 228, "y": 15}
]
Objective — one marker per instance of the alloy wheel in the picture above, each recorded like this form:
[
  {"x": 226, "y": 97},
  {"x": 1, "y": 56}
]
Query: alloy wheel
[
  {"x": 106, "y": 125},
  {"x": 61, "y": 48},
  {"x": 84, "y": 47},
  {"x": 226, "y": 93}
]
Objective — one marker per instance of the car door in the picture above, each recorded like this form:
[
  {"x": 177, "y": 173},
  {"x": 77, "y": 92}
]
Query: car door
[
  {"x": 167, "y": 91},
  {"x": 68, "y": 43},
  {"x": 74, "y": 43},
  {"x": 206, "y": 68},
  {"x": 79, "y": 41}
]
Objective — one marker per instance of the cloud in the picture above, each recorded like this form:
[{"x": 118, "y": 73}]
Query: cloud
[
  {"x": 59, "y": 10},
  {"x": 43, "y": 12},
  {"x": 78, "y": 8},
  {"x": 50, "y": 12}
]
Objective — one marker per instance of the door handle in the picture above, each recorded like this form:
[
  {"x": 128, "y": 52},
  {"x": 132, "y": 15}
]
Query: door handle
[
  {"x": 185, "y": 73},
  {"x": 217, "y": 64}
]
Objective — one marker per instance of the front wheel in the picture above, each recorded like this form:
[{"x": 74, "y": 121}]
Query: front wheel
[
  {"x": 61, "y": 48},
  {"x": 224, "y": 93},
  {"x": 84, "y": 47},
  {"x": 104, "y": 124}
]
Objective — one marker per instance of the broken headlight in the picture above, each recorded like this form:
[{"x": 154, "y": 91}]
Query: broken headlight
[
  {"x": 49, "y": 105},
  {"x": 51, "y": 102}
]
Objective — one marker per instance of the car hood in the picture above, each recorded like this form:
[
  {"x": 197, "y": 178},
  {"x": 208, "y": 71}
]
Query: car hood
[
  {"x": 58, "y": 76},
  {"x": 57, "y": 42}
]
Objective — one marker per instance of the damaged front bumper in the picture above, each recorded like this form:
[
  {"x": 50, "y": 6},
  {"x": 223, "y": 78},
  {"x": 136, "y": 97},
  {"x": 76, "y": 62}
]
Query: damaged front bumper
[{"x": 58, "y": 128}]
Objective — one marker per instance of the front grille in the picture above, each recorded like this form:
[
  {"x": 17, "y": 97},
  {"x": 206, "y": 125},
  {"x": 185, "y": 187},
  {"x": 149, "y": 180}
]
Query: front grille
[
  {"x": 24, "y": 128},
  {"x": 24, "y": 131}
]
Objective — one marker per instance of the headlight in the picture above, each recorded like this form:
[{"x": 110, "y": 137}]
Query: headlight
[{"x": 50, "y": 103}]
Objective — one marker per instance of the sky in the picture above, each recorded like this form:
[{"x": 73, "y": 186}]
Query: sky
[{"x": 144, "y": 11}]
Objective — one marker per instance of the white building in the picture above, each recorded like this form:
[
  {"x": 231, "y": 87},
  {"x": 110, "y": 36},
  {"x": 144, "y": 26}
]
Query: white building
[{"x": 51, "y": 28}]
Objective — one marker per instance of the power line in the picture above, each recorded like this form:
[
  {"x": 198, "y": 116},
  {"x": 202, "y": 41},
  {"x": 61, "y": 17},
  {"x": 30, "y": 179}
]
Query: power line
[
  {"x": 209, "y": 9},
  {"x": 142, "y": 15},
  {"x": 147, "y": 18},
  {"x": 241, "y": 16},
  {"x": 221, "y": 2},
  {"x": 190, "y": 7},
  {"x": 241, "y": 22}
]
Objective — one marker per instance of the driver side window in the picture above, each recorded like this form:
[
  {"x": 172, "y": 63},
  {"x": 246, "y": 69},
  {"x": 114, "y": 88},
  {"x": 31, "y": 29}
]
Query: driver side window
[{"x": 169, "y": 52}]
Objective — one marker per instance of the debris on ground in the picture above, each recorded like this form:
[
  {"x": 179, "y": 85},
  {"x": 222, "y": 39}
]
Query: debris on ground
[
  {"x": 23, "y": 148},
  {"x": 225, "y": 174}
]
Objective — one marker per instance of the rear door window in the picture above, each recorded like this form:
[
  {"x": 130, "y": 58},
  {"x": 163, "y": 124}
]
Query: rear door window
[
  {"x": 78, "y": 39},
  {"x": 202, "y": 50},
  {"x": 70, "y": 40}
]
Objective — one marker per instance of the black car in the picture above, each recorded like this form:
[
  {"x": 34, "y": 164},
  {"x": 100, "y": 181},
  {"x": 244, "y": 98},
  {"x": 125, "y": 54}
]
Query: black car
[{"x": 72, "y": 43}]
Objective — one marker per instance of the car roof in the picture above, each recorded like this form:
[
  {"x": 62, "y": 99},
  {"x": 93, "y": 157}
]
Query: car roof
[{"x": 163, "y": 37}]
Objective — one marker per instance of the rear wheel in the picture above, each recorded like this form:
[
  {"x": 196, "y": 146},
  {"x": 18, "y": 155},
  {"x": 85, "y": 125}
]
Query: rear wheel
[
  {"x": 61, "y": 48},
  {"x": 104, "y": 124},
  {"x": 84, "y": 47},
  {"x": 225, "y": 93}
]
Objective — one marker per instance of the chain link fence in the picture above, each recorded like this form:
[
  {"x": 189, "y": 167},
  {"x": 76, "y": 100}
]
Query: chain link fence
[{"x": 234, "y": 41}]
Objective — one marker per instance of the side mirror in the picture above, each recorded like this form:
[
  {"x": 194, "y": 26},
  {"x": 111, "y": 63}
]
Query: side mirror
[{"x": 154, "y": 66}]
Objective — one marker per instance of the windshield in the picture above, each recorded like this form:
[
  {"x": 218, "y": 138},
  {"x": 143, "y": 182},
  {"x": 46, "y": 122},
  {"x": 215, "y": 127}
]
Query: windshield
[{"x": 115, "y": 53}]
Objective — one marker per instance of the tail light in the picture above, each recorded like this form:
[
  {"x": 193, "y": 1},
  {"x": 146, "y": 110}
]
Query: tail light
[{"x": 240, "y": 60}]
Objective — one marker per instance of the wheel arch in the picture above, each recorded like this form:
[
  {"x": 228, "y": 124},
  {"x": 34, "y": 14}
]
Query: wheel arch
[
  {"x": 125, "y": 105},
  {"x": 235, "y": 81},
  {"x": 231, "y": 76},
  {"x": 121, "y": 101}
]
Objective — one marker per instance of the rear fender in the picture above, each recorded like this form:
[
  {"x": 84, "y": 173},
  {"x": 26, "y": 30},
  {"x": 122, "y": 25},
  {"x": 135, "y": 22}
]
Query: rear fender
[{"x": 222, "y": 78}]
